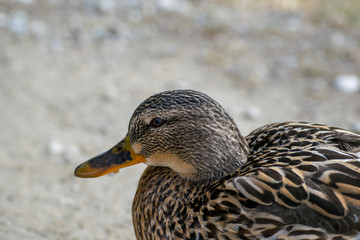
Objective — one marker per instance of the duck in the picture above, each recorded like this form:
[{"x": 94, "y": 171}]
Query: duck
[{"x": 204, "y": 180}]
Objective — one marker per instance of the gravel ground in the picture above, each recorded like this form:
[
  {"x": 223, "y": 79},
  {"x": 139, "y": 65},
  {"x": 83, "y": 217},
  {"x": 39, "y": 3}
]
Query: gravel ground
[{"x": 72, "y": 72}]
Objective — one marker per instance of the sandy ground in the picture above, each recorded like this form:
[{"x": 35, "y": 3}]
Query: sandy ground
[{"x": 72, "y": 72}]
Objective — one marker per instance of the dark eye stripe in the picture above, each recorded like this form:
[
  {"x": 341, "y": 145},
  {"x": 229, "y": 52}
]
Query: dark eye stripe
[{"x": 157, "y": 122}]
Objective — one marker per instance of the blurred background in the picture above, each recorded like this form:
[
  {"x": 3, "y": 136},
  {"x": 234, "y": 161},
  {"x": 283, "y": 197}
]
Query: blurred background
[{"x": 72, "y": 72}]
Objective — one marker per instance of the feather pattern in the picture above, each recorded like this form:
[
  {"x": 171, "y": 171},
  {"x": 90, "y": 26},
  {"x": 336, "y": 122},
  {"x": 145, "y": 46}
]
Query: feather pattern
[
  {"x": 301, "y": 181},
  {"x": 291, "y": 180}
]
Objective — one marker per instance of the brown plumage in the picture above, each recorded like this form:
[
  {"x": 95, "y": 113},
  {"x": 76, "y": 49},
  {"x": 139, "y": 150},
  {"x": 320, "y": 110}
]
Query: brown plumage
[{"x": 291, "y": 180}]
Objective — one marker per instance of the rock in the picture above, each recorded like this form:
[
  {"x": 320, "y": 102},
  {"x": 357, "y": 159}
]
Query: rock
[
  {"x": 182, "y": 84},
  {"x": 26, "y": 2},
  {"x": 174, "y": 5},
  {"x": 75, "y": 187},
  {"x": 149, "y": 9},
  {"x": 55, "y": 147},
  {"x": 112, "y": 174},
  {"x": 71, "y": 153},
  {"x": 38, "y": 29},
  {"x": 64, "y": 200},
  {"x": 252, "y": 113},
  {"x": 56, "y": 45},
  {"x": 107, "y": 5},
  {"x": 135, "y": 16},
  {"x": 356, "y": 126},
  {"x": 294, "y": 25},
  {"x": 18, "y": 23},
  {"x": 347, "y": 83},
  {"x": 104, "y": 129},
  {"x": 338, "y": 39},
  {"x": 290, "y": 61},
  {"x": 3, "y": 19}
]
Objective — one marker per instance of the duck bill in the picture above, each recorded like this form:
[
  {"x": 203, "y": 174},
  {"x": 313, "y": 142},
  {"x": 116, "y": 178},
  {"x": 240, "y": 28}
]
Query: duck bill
[{"x": 120, "y": 156}]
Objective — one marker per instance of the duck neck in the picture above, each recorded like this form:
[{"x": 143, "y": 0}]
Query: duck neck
[
  {"x": 217, "y": 170},
  {"x": 217, "y": 160}
]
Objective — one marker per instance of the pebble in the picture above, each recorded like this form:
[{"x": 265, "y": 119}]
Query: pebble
[
  {"x": 26, "y": 2},
  {"x": 63, "y": 200},
  {"x": 18, "y": 23},
  {"x": 56, "y": 45},
  {"x": 71, "y": 153},
  {"x": 112, "y": 174},
  {"x": 107, "y": 5},
  {"x": 347, "y": 83},
  {"x": 149, "y": 9},
  {"x": 55, "y": 147},
  {"x": 294, "y": 25},
  {"x": 290, "y": 61},
  {"x": 38, "y": 29},
  {"x": 75, "y": 187},
  {"x": 3, "y": 19},
  {"x": 356, "y": 126},
  {"x": 174, "y": 5},
  {"x": 104, "y": 129},
  {"x": 183, "y": 84},
  {"x": 338, "y": 39},
  {"x": 252, "y": 113}
]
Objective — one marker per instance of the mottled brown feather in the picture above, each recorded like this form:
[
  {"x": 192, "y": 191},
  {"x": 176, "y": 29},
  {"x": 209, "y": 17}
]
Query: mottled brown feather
[{"x": 298, "y": 180}]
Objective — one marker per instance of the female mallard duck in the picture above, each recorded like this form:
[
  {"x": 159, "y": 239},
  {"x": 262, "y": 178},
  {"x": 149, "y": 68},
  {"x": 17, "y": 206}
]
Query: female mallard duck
[{"x": 290, "y": 180}]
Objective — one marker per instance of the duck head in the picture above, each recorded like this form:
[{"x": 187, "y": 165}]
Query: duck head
[{"x": 184, "y": 130}]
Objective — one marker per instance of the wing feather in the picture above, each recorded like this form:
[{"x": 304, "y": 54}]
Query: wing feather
[{"x": 295, "y": 164}]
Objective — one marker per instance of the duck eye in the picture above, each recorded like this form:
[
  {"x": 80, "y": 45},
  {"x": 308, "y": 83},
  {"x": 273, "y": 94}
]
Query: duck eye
[{"x": 157, "y": 122}]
